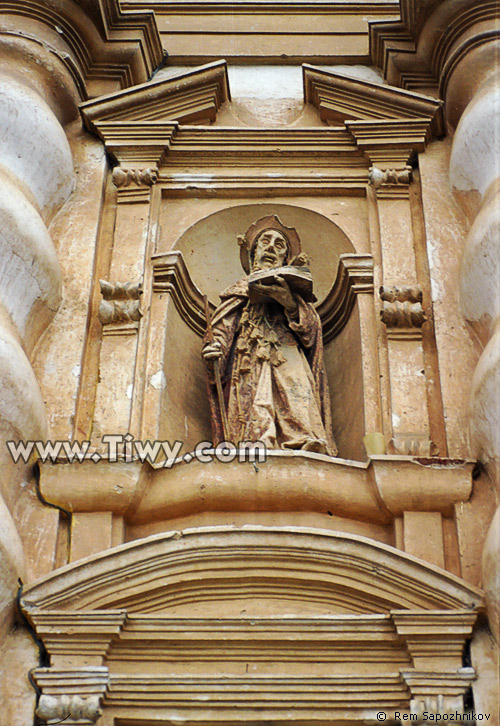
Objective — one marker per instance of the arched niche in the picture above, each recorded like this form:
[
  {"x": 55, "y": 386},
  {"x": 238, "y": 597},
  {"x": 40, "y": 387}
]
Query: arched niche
[{"x": 206, "y": 258}]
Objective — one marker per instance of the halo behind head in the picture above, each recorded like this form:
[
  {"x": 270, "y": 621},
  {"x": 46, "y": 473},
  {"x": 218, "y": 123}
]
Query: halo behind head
[{"x": 248, "y": 242}]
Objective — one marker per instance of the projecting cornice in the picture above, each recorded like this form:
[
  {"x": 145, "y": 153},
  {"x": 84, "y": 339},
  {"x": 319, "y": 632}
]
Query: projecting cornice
[
  {"x": 183, "y": 150},
  {"x": 269, "y": 7},
  {"x": 140, "y": 145},
  {"x": 281, "y": 563},
  {"x": 425, "y": 46},
  {"x": 266, "y": 31},
  {"x": 100, "y": 44},
  {"x": 145, "y": 128},
  {"x": 389, "y": 144},
  {"x": 340, "y": 98},
  {"x": 193, "y": 97}
]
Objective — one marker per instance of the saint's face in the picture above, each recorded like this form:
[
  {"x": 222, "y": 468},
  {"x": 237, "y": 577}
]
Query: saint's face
[{"x": 271, "y": 249}]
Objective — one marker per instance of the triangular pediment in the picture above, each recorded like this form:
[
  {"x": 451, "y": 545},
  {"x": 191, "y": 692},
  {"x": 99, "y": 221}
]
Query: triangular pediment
[
  {"x": 340, "y": 98},
  {"x": 191, "y": 97}
]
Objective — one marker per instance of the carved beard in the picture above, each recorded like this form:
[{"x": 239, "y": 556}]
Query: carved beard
[{"x": 256, "y": 267}]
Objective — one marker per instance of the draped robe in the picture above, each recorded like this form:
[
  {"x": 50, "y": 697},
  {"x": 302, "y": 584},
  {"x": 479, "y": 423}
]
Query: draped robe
[{"x": 273, "y": 377}]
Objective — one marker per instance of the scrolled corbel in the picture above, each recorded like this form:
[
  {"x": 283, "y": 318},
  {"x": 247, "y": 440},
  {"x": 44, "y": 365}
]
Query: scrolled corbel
[
  {"x": 120, "y": 303},
  {"x": 402, "y": 306},
  {"x": 69, "y": 709},
  {"x": 140, "y": 177},
  {"x": 378, "y": 178}
]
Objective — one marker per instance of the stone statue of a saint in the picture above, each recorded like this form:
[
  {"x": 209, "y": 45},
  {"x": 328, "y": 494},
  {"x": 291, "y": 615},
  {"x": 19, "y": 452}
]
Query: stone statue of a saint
[{"x": 266, "y": 338}]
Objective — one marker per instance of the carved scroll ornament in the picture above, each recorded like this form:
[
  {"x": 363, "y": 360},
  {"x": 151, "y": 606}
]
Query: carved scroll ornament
[
  {"x": 141, "y": 177},
  {"x": 120, "y": 302},
  {"x": 69, "y": 708},
  {"x": 402, "y": 306},
  {"x": 378, "y": 178}
]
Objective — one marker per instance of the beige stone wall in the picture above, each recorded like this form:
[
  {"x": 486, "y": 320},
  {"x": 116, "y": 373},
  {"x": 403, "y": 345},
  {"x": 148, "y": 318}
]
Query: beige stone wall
[{"x": 329, "y": 578}]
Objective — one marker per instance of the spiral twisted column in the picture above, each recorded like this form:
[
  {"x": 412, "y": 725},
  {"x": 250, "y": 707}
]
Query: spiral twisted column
[
  {"x": 36, "y": 178},
  {"x": 475, "y": 177}
]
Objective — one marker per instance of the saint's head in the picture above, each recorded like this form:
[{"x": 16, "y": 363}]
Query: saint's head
[
  {"x": 270, "y": 250},
  {"x": 268, "y": 243}
]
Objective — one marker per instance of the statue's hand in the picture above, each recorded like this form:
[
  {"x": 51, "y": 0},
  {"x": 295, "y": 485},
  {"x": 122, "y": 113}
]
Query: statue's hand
[
  {"x": 212, "y": 351},
  {"x": 281, "y": 292}
]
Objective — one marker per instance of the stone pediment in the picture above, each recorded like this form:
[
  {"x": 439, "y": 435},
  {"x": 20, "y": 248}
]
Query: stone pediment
[
  {"x": 285, "y": 598},
  {"x": 192, "y": 97},
  {"x": 166, "y": 124},
  {"x": 287, "y": 569},
  {"x": 340, "y": 98}
]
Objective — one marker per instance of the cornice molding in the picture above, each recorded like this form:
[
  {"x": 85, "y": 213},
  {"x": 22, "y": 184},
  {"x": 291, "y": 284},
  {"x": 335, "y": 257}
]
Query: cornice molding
[
  {"x": 91, "y": 632},
  {"x": 449, "y": 631},
  {"x": 266, "y": 31},
  {"x": 250, "y": 184},
  {"x": 141, "y": 127},
  {"x": 260, "y": 147},
  {"x": 136, "y": 145},
  {"x": 421, "y": 651},
  {"x": 424, "y": 47},
  {"x": 346, "y": 696},
  {"x": 389, "y": 144},
  {"x": 340, "y": 98},
  {"x": 114, "y": 635},
  {"x": 194, "y": 96},
  {"x": 354, "y": 275},
  {"x": 208, "y": 561},
  {"x": 171, "y": 275},
  {"x": 321, "y": 699},
  {"x": 169, "y": 146},
  {"x": 268, "y": 7},
  {"x": 105, "y": 42}
]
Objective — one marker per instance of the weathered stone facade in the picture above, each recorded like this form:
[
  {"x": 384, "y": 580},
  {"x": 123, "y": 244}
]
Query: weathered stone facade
[{"x": 303, "y": 588}]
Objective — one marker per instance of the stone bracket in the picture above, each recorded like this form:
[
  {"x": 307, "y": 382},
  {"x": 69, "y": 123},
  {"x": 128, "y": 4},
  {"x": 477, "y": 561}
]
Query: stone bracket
[
  {"x": 92, "y": 633},
  {"x": 402, "y": 311},
  {"x": 72, "y": 695},
  {"x": 389, "y": 143},
  {"x": 119, "y": 310},
  {"x": 438, "y": 693},
  {"x": 134, "y": 185},
  {"x": 378, "y": 178},
  {"x": 435, "y": 637}
]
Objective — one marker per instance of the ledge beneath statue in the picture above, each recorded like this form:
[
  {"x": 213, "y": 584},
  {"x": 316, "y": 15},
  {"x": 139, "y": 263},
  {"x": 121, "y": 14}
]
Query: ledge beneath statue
[{"x": 400, "y": 500}]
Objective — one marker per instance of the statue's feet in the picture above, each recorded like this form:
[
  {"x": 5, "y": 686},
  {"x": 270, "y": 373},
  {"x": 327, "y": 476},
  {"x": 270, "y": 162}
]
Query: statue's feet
[{"x": 318, "y": 446}]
